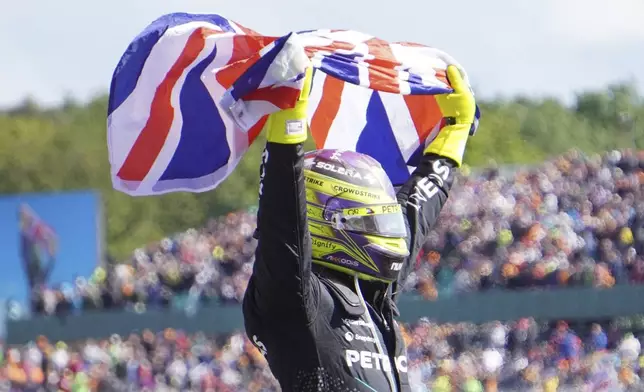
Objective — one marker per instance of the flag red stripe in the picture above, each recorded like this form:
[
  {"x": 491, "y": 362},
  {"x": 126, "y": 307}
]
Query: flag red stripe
[
  {"x": 240, "y": 61},
  {"x": 382, "y": 72},
  {"x": 282, "y": 97},
  {"x": 150, "y": 141},
  {"x": 424, "y": 112},
  {"x": 327, "y": 110},
  {"x": 254, "y": 131}
]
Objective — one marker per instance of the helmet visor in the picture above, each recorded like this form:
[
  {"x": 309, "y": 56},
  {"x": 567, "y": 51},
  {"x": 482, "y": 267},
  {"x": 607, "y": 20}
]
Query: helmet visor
[{"x": 383, "y": 220}]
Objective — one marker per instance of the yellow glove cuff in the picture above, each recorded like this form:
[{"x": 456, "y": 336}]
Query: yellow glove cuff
[
  {"x": 450, "y": 142},
  {"x": 289, "y": 126}
]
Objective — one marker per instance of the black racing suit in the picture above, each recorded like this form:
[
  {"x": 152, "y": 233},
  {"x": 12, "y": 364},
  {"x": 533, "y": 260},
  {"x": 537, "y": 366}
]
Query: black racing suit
[{"x": 309, "y": 322}]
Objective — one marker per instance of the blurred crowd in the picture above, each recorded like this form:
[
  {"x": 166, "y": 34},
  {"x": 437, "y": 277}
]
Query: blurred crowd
[
  {"x": 523, "y": 356},
  {"x": 213, "y": 263},
  {"x": 167, "y": 361},
  {"x": 574, "y": 221},
  {"x": 519, "y": 356}
]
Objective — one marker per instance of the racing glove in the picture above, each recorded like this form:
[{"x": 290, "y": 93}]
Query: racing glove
[
  {"x": 459, "y": 108},
  {"x": 289, "y": 126}
]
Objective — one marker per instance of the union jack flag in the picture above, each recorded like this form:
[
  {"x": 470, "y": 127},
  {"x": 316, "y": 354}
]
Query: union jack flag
[
  {"x": 36, "y": 230},
  {"x": 192, "y": 92}
]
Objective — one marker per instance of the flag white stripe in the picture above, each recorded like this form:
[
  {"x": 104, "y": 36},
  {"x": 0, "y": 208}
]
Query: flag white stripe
[
  {"x": 401, "y": 123},
  {"x": 351, "y": 118},
  {"x": 315, "y": 97}
]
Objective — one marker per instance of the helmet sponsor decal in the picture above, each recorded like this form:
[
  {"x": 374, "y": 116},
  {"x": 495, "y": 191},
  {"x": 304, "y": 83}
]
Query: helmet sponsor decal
[
  {"x": 314, "y": 212},
  {"x": 334, "y": 187},
  {"x": 318, "y": 243},
  {"x": 334, "y": 170},
  {"x": 355, "y": 192},
  {"x": 343, "y": 261},
  {"x": 392, "y": 208},
  {"x": 315, "y": 182},
  {"x": 337, "y": 155},
  {"x": 396, "y": 266}
]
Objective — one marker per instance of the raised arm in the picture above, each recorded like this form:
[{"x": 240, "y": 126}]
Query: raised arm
[
  {"x": 283, "y": 257},
  {"x": 425, "y": 193}
]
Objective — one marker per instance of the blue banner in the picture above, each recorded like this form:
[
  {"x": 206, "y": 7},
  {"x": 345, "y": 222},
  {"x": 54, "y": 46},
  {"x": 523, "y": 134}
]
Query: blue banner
[{"x": 47, "y": 240}]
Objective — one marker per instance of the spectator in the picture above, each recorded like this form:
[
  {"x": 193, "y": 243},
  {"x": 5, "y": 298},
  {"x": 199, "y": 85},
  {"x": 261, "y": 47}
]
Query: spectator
[
  {"x": 598, "y": 339},
  {"x": 441, "y": 358},
  {"x": 630, "y": 348}
]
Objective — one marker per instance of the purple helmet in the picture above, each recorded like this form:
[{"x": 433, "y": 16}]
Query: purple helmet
[{"x": 356, "y": 223}]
